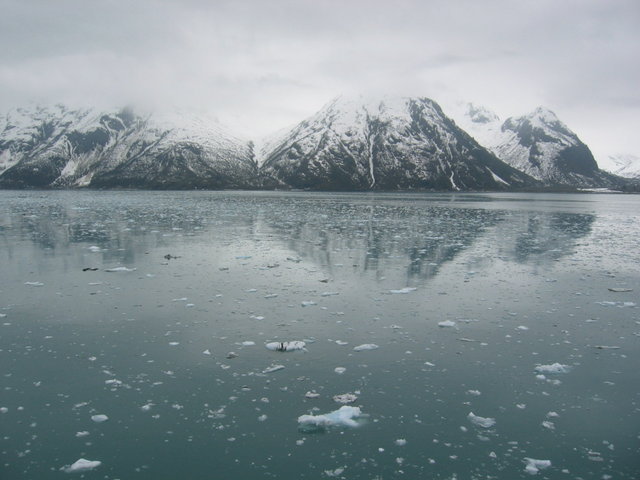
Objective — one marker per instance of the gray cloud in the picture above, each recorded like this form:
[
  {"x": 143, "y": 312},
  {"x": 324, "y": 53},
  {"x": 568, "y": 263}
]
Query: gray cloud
[{"x": 262, "y": 65}]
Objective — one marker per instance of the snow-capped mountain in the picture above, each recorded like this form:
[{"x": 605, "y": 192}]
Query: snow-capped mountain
[
  {"x": 623, "y": 165},
  {"x": 61, "y": 147},
  {"x": 387, "y": 144},
  {"x": 538, "y": 144}
]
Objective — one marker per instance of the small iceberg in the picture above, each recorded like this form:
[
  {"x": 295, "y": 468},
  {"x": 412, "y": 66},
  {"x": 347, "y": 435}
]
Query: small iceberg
[
  {"x": 345, "y": 416},
  {"x": 403, "y": 291},
  {"x": 273, "y": 368},
  {"x": 345, "y": 398},
  {"x": 286, "y": 346},
  {"x": 119, "y": 269},
  {"x": 99, "y": 418},
  {"x": 534, "y": 466},
  {"x": 553, "y": 368},
  {"x": 483, "y": 422},
  {"x": 447, "y": 323},
  {"x": 81, "y": 465},
  {"x": 365, "y": 346}
]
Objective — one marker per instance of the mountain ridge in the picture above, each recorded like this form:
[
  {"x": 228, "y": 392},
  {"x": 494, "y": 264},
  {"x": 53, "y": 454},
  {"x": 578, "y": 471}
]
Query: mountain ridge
[{"x": 352, "y": 143}]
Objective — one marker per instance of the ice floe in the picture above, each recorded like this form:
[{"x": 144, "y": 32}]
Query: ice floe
[
  {"x": 365, "y": 346},
  {"x": 553, "y": 368},
  {"x": 447, "y": 323},
  {"x": 34, "y": 284},
  {"x": 286, "y": 346},
  {"x": 273, "y": 368},
  {"x": 99, "y": 418},
  {"x": 345, "y": 398},
  {"x": 484, "y": 422},
  {"x": 343, "y": 417},
  {"x": 534, "y": 466},
  {"x": 403, "y": 291},
  {"x": 81, "y": 465},
  {"x": 339, "y": 370},
  {"x": 119, "y": 269}
]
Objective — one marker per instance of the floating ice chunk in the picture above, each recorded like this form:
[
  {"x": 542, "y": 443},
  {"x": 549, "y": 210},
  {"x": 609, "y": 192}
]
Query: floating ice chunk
[
  {"x": 365, "y": 346},
  {"x": 334, "y": 473},
  {"x": 248, "y": 343},
  {"x": 534, "y": 466},
  {"x": 474, "y": 392},
  {"x": 34, "y": 284},
  {"x": 345, "y": 398},
  {"x": 312, "y": 394},
  {"x": 273, "y": 368},
  {"x": 81, "y": 465},
  {"x": 342, "y": 342},
  {"x": 339, "y": 370},
  {"x": 401, "y": 442},
  {"x": 329, "y": 294},
  {"x": 286, "y": 346},
  {"x": 99, "y": 418},
  {"x": 308, "y": 303},
  {"x": 262, "y": 418},
  {"x": 549, "y": 425},
  {"x": 173, "y": 344},
  {"x": 343, "y": 417},
  {"x": 4, "y": 409},
  {"x": 119, "y": 269},
  {"x": 483, "y": 422},
  {"x": 94, "y": 248},
  {"x": 522, "y": 327},
  {"x": 206, "y": 352},
  {"x": 553, "y": 368},
  {"x": 620, "y": 290},
  {"x": 403, "y": 291},
  {"x": 447, "y": 323},
  {"x": 84, "y": 433}
]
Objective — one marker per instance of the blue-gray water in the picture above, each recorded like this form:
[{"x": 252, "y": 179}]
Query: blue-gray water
[{"x": 523, "y": 280}]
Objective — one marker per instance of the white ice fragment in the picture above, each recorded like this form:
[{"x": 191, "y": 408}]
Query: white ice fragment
[
  {"x": 286, "y": 346},
  {"x": 620, "y": 290},
  {"x": 273, "y": 368},
  {"x": 365, "y": 346},
  {"x": 341, "y": 342},
  {"x": 248, "y": 343},
  {"x": 339, "y": 370},
  {"x": 345, "y": 398},
  {"x": 84, "y": 433},
  {"x": 552, "y": 415},
  {"x": 94, "y": 248},
  {"x": 329, "y": 294},
  {"x": 447, "y": 323},
  {"x": 99, "y": 418},
  {"x": 262, "y": 418},
  {"x": 401, "y": 442},
  {"x": 553, "y": 368},
  {"x": 522, "y": 327},
  {"x": 483, "y": 422},
  {"x": 4, "y": 409},
  {"x": 403, "y": 291},
  {"x": 474, "y": 392},
  {"x": 173, "y": 344},
  {"x": 206, "y": 352},
  {"x": 311, "y": 394},
  {"x": 81, "y": 465},
  {"x": 549, "y": 425},
  {"x": 119, "y": 269},
  {"x": 343, "y": 417},
  {"x": 34, "y": 284},
  {"x": 308, "y": 303},
  {"x": 534, "y": 466},
  {"x": 334, "y": 473}
]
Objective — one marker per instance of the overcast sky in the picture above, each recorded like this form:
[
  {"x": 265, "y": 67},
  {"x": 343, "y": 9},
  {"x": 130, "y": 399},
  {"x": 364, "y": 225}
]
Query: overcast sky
[{"x": 265, "y": 64}]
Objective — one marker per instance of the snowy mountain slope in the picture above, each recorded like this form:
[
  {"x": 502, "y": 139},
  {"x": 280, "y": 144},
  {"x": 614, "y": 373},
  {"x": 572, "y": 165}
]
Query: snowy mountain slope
[
  {"x": 61, "y": 147},
  {"x": 623, "y": 165},
  {"x": 538, "y": 144},
  {"x": 387, "y": 144}
]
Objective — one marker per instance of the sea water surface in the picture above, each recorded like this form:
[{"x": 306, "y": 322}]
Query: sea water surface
[{"x": 481, "y": 336}]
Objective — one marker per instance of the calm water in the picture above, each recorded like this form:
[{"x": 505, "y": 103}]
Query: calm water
[{"x": 470, "y": 299}]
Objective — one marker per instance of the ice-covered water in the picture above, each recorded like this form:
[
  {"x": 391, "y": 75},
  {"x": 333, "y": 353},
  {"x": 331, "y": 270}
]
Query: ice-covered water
[{"x": 133, "y": 328}]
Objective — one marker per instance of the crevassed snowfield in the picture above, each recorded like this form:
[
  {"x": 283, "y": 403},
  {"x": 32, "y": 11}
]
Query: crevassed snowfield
[{"x": 218, "y": 335}]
